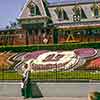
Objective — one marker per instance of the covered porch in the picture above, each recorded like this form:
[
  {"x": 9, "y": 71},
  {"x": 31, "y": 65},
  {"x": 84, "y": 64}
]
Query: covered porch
[{"x": 78, "y": 32}]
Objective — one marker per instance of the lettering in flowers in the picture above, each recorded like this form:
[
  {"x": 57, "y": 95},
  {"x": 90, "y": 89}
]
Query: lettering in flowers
[
  {"x": 53, "y": 60},
  {"x": 87, "y": 58}
]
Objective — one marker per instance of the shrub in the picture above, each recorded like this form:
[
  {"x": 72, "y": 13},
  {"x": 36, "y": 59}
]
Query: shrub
[{"x": 65, "y": 46}]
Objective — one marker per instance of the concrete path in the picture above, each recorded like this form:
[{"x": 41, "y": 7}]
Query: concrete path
[{"x": 44, "y": 98}]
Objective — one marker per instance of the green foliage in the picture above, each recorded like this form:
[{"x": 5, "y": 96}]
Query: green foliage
[{"x": 65, "y": 46}]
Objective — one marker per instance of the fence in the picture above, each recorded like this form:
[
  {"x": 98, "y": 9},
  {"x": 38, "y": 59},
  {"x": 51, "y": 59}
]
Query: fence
[
  {"x": 51, "y": 62},
  {"x": 52, "y": 76}
]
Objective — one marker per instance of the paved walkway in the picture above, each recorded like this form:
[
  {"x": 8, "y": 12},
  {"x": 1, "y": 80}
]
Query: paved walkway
[{"x": 44, "y": 98}]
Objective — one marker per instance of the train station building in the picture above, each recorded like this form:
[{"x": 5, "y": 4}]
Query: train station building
[{"x": 41, "y": 22}]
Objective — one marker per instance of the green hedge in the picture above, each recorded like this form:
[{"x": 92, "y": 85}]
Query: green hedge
[{"x": 66, "y": 46}]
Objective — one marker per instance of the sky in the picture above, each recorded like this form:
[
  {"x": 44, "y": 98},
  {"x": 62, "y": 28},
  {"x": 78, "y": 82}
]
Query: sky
[{"x": 9, "y": 10}]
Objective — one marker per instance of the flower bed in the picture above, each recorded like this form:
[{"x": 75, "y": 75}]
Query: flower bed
[
  {"x": 33, "y": 55},
  {"x": 94, "y": 64},
  {"x": 51, "y": 60},
  {"x": 85, "y": 52},
  {"x": 55, "y": 60}
]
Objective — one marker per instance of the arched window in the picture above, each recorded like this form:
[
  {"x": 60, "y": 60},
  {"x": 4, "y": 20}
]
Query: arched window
[
  {"x": 83, "y": 16},
  {"x": 65, "y": 15},
  {"x": 61, "y": 14},
  {"x": 34, "y": 10},
  {"x": 95, "y": 10}
]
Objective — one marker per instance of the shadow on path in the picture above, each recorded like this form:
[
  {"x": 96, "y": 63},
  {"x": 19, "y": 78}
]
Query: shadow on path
[{"x": 36, "y": 92}]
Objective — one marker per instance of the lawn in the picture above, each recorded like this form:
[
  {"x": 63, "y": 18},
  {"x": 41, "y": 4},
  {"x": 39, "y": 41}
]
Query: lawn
[{"x": 47, "y": 76}]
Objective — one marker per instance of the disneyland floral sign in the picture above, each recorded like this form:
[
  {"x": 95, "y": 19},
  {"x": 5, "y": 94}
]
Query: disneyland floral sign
[
  {"x": 85, "y": 52},
  {"x": 58, "y": 60},
  {"x": 52, "y": 60},
  {"x": 45, "y": 60},
  {"x": 94, "y": 64}
]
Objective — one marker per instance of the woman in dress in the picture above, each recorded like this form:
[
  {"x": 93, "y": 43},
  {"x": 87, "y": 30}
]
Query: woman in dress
[{"x": 27, "y": 82}]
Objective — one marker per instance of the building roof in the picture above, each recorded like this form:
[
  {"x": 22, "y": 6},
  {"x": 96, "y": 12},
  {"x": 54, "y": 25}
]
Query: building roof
[
  {"x": 25, "y": 11},
  {"x": 65, "y": 23},
  {"x": 4, "y": 29},
  {"x": 68, "y": 2}
]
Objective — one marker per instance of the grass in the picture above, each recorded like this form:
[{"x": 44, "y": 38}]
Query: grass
[
  {"x": 39, "y": 76},
  {"x": 65, "y": 76},
  {"x": 10, "y": 76}
]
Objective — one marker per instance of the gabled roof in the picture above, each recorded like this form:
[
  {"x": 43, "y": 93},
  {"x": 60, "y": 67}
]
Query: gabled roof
[
  {"x": 86, "y": 8},
  {"x": 25, "y": 11}
]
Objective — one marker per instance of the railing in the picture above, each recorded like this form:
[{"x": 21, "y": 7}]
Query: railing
[
  {"x": 81, "y": 76},
  {"x": 50, "y": 66}
]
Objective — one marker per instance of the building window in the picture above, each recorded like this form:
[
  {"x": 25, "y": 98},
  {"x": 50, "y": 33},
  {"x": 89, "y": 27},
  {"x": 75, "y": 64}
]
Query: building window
[
  {"x": 65, "y": 15},
  {"x": 95, "y": 10},
  {"x": 83, "y": 16},
  {"x": 77, "y": 13},
  {"x": 34, "y": 10},
  {"x": 61, "y": 14}
]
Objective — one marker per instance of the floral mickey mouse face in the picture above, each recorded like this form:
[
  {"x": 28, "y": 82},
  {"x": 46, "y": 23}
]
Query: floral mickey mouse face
[{"x": 52, "y": 60}]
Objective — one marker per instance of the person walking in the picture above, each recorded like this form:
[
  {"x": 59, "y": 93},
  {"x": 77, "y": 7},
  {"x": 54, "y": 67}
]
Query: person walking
[{"x": 27, "y": 83}]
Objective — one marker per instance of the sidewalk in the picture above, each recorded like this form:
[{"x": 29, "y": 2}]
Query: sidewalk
[{"x": 44, "y": 98}]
